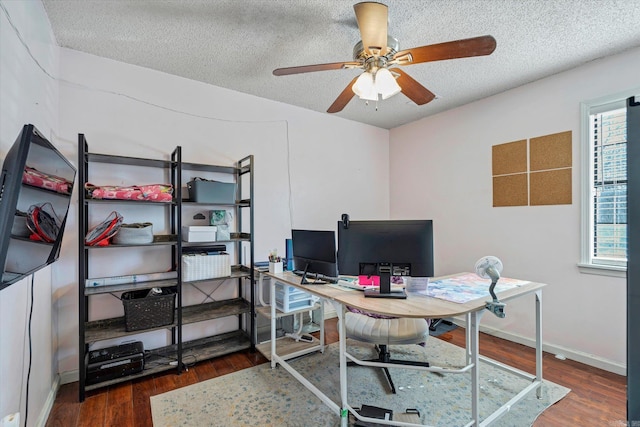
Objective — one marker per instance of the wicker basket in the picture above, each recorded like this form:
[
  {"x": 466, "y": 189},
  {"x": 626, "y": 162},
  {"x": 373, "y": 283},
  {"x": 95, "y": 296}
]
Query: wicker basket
[{"x": 144, "y": 311}]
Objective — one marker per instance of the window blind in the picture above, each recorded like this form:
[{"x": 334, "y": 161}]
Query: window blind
[{"x": 609, "y": 143}]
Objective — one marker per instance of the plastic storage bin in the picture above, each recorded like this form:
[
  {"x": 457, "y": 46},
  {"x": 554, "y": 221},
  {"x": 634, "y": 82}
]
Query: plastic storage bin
[
  {"x": 289, "y": 298},
  {"x": 206, "y": 191}
]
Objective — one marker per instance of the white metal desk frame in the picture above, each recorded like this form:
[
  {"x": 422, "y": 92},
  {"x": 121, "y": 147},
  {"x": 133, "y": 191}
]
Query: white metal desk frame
[
  {"x": 308, "y": 349},
  {"x": 472, "y": 362},
  {"x": 274, "y": 317}
]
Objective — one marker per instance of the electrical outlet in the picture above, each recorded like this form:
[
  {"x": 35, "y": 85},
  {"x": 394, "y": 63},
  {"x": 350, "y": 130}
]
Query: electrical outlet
[{"x": 11, "y": 420}]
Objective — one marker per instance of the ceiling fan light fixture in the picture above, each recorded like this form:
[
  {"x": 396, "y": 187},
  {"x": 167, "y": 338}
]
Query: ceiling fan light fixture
[
  {"x": 372, "y": 56},
  {"x": 365, "y": 88},
  {"x": 386, "y": 85}
]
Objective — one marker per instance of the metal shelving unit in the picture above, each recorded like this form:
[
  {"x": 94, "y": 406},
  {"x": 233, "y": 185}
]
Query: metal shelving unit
[
  {"x": 93, "y": 332},
  {"x": 242, "y": 267}
]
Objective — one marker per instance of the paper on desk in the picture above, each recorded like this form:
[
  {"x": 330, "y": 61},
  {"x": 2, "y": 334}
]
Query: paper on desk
[
  {"x": 417, "y": 284},
  {"x": 466, "y": 287}
]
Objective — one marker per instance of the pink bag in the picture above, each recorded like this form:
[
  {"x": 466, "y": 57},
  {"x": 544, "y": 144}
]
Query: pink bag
[
  {"x": 151, "y": 192},
  {"x": 39, "y": 179}
]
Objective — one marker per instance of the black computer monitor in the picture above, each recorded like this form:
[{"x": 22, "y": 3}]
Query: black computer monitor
[
  {"x": 386, "y": 248},
  {"x": 314, "y": 255}
]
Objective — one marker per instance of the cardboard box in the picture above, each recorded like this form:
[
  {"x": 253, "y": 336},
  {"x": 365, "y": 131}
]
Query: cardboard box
[{"x": 199, "y": 233}]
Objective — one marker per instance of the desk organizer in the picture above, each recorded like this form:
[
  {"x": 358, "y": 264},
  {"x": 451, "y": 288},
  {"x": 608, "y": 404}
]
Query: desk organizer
[
  {"x": 289, "y": 298},
  {"x": 144, "y": 310},
  {"x": 205, "y": 266}
]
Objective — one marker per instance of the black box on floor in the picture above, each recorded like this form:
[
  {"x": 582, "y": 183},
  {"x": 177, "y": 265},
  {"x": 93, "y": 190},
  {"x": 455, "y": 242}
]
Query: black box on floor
[
  {"x": 373, "y": 412},
  {"x": 114, "y": 362}
]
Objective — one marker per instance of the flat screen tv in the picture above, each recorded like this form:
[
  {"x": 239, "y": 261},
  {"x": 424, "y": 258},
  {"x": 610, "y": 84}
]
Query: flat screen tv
[
  {"x": 390, "y": 247},
  {"x": 314, "y": 255},
  {"x": 35, "y": 193}
]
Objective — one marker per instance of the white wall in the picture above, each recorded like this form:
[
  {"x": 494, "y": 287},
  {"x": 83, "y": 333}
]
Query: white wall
[
  {"x": 441, "y": 169},
  {"x": 27, "y": 95},
  {"x": 307, "y": 165}
]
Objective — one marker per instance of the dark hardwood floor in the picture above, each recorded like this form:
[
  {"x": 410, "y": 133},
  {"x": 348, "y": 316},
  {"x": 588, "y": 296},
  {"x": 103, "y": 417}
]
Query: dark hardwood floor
[{"x": 597, "y": 397}]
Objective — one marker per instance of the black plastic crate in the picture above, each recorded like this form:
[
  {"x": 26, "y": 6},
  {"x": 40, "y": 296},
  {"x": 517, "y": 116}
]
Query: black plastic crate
[{"x": 145, "y": 309}]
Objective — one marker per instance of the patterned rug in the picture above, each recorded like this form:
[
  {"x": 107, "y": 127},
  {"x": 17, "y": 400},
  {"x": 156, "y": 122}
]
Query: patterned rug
[{"x": 261, "y": 396}]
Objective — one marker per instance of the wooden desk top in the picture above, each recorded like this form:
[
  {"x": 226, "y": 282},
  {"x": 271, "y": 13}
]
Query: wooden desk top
[{"x": 414, "y": 306}]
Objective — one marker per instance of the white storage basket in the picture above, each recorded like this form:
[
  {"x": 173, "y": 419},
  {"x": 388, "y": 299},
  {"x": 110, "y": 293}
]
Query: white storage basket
[{"x": 203, "y": 266}]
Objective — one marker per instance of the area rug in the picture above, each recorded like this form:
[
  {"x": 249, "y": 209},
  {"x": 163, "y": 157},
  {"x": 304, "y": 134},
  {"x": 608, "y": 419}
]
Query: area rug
[{"x": 261, "y": 396}]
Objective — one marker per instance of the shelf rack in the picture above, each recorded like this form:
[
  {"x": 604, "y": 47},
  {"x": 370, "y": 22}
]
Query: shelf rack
[{"x": 177, "y": 352}]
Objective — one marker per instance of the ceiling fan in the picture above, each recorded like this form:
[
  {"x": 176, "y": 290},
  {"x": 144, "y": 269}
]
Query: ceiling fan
[{"x": 379, "y": 56}]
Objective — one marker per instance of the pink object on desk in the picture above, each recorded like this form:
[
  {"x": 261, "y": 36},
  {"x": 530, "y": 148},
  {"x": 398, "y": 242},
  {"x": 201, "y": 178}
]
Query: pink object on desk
[{"x": 369, "y": 280}]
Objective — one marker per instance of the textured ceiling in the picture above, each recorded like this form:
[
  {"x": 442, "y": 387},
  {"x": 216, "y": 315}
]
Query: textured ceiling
[{"x": 236, "y": 44}]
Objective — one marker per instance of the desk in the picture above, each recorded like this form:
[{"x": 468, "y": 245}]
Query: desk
[
  {"x": 419, "y": 307},
  {"x": 287, "y": 347}
]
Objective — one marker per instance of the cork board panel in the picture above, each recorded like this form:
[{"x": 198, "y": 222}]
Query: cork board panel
[
  {"x": 509, "y": 158},
  {"x": 510, "y": 190},
  {"x": 550, "y": 151},
  {"x": 551, "y": 187}
]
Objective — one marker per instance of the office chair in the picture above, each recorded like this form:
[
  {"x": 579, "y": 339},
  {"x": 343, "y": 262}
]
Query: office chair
[
  {"x": 384, "y": 332},
  {"x": 435, "y": 322}
]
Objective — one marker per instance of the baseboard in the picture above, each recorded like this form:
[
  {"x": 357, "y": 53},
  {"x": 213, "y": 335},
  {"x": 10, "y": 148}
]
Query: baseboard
[
  {"x": 329, "y": 312},
  {"x": 48, "y": 404},
  {"x": 69, "y": 377},
  {"x": 587, "y": 359}
]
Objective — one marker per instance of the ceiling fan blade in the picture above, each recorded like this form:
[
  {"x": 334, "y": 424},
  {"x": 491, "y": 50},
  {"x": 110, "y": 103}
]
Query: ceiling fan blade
[
  {"x": 372, "y": 20},
  {"x": 412, "y": 89},
  {"x": 476, "y": 46},
  {"x": 316, "y": 67},
  {"x": 343, "y": 99}
]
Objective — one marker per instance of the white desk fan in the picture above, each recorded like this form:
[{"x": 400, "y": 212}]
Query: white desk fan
[{"x": 490, "y": 267}]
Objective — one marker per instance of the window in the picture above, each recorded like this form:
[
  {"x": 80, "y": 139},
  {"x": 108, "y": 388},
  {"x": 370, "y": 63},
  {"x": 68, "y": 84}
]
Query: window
[{"x": 605, "y": 186}]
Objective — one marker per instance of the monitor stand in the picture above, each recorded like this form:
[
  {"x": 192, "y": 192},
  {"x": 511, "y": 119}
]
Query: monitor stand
[
  {"x": 374, "y": 293},
  {"x": 384, "y": 270},
  {"x": 304, "y": 280},
  {"x": 318, "y": 279}
]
